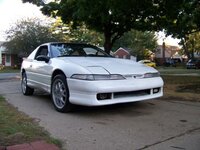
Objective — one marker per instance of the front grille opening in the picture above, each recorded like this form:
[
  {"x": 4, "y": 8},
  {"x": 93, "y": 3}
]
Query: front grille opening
[
  {"x": 107, "y": 96},
  {"x": 104, "y": 96},
  {"x": 132, "y": 93}
]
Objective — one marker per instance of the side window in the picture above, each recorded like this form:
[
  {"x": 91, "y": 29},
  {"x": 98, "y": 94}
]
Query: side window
[{"x": 43, "y": 50}]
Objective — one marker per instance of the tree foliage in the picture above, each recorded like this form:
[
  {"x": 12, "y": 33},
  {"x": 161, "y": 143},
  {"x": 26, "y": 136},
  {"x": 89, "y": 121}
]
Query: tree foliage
[
  {"x": 79, "y": 34},
  {"x": 192, "y": 44},
  {"x": 181, "y": 22},
  {"x": 26, "y": 35},
  {"x": 113, "y": 18},
  {"x": 184, "y": 20},
  {"x": 140, "y": 43}
]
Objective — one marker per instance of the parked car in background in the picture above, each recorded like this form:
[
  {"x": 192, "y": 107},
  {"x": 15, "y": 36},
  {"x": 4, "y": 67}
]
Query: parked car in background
[
  {"x": 148, "y": 63},
  {"x": 85, "y": 75},
  {"x": 170, "y": 62},
  {"x": 193, "y": 64}
]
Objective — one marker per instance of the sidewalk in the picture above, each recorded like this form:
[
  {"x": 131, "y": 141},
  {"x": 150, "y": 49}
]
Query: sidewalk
[
  {"x": 38, "y": 145},
  {"x": 8, "y": 76}
]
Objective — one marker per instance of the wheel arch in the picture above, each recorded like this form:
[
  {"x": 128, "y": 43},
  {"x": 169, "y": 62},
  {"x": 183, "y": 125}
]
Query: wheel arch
[
  {"x": 62, "y": 77},
  {"x": 23, "y": 71},
  {"x": 56, "y": 72},
  {"x": 26, "y": 89}
]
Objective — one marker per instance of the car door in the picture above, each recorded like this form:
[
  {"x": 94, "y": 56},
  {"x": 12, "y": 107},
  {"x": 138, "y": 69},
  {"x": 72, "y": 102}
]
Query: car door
[{"x": 41, "y": 70}]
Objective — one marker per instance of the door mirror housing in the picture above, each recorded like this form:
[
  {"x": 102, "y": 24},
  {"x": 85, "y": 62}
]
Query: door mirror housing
[{"x": 43, "y": 58}]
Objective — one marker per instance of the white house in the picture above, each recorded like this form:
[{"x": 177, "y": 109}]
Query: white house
[
  {"x": 1, "y": 49},
  {"x": 6, "y": 57},
  {"x": 166, "y": 52}
]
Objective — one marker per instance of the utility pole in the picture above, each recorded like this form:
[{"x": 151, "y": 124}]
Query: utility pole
[{"x": 163, "y": 52}]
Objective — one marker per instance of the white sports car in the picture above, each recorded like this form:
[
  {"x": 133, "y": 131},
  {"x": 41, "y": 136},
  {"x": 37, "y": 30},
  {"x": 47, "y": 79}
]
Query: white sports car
[{"x": 85, "y": 75}]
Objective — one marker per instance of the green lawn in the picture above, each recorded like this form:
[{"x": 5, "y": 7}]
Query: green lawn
[
  {"x": 17, "y": 128},
  {"x": 9, "y": 70}
]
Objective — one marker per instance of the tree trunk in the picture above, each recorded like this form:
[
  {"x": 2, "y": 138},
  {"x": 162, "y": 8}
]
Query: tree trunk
[
  {"x": 107, "y": 43},
  {"x": 192, "y": 49},
  {"x": 185, "y": 48}
]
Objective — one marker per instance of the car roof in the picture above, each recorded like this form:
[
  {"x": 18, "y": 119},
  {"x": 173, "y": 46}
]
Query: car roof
[{"x": 70, "y": 43}]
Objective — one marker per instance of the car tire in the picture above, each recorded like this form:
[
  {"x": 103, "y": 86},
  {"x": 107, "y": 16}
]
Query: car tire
[
  {"x": 26, "y": 90},
  {"x": 60, "y": 94}
]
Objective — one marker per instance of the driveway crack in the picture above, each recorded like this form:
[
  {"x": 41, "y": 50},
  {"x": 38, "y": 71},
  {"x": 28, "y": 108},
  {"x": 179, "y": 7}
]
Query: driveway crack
[{"x": 170, "y": 138}]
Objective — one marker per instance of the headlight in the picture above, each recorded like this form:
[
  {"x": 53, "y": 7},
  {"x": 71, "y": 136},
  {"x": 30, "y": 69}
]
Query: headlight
[
  {"x": 151, "y": 75},
  {"x": 97, "y": 77}
]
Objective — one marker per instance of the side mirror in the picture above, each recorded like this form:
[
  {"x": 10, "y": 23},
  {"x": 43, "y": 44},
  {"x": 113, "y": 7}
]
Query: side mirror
[{"x": 43, "y": 58}]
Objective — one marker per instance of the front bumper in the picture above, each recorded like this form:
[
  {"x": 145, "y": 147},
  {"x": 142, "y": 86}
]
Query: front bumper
[{"x": 86, "y": 93}]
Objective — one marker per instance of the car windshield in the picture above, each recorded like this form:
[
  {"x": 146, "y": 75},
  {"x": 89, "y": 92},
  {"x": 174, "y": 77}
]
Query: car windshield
[{"x": 66, "y": 49}]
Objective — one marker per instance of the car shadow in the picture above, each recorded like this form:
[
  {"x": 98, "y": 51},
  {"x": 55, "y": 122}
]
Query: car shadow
[{"x": 133, "y": 108}]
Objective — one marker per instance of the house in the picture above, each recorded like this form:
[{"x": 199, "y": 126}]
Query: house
[
  {"x": 6, "y": 57},
  {"x": 164, "y": 53},
  {"x": 124, "y": 54}
]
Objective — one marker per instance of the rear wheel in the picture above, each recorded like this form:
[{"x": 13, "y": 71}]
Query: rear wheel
[
  {"x": 60, "y": 94},
  {"x": 26, "y": 90}
]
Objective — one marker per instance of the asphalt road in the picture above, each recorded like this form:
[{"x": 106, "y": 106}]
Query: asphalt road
[{"x": 147, "y": 125}]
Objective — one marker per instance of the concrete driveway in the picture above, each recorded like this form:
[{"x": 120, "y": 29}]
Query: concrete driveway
[{"x": 148, "y": 125}]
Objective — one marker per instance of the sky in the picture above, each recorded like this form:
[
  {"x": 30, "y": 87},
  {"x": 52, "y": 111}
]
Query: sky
[
  {"x": 12, "y": 11},
  {"x": 168, "y": 40}
]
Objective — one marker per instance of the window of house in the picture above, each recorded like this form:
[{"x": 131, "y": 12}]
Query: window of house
[
  {"x": 7, "y": 58},
  {"x": 158, "y": 51}
]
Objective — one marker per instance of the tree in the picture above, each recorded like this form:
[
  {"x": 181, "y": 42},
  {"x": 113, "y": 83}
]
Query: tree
[
  {"x": 140, "y": 43},
  {"x": 111, "y": 17},
  {"x": 193, "y": 44},
  {"x": 181, "y": 22},
  {"x": 26, "y": 35},
  {"x": 79, "y": 34}
]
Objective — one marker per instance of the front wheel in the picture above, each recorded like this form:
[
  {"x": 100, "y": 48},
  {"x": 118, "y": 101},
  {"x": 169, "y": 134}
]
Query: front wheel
[
  {"x": 26, "y": 90},
  {"x": 60, "y": 94}
]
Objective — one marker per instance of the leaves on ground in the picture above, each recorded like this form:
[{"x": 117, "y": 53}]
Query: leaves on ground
[{"x": 182, "y": 88}]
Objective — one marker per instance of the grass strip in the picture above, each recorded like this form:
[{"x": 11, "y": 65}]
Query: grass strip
[
  {"x": 9, "y": 70},
  {"x": 18, "y": 128},
  {"x": 182, "y": 87}
]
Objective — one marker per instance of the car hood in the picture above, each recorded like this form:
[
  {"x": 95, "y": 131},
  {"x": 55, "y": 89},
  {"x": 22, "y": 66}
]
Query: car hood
[{"x": 109, "y": 65}]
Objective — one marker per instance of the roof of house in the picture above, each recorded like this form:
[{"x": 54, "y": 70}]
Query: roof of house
[
  {"x": 1, "y": 42},
  {"x": 3, "y": 49},
  {"x": 126, "y": 50},
  {"x": 173, "y": 48}
]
